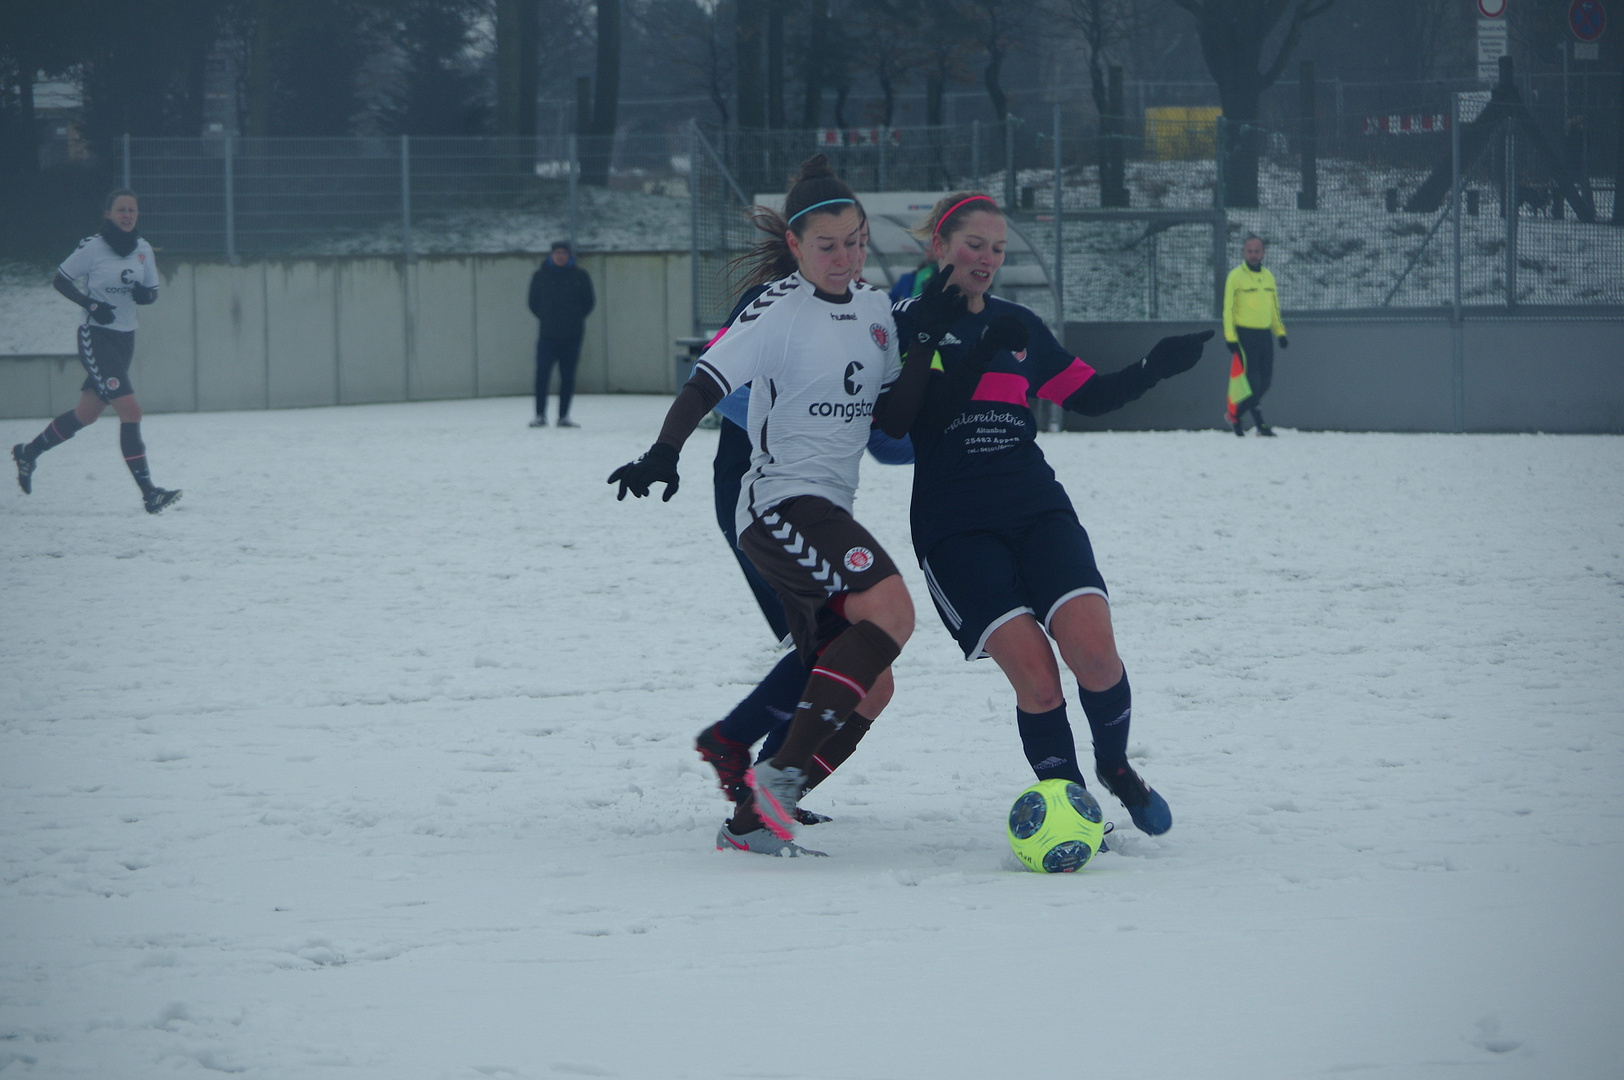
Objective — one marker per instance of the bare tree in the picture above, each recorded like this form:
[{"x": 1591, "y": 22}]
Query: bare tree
[
  {"x": 697, "y": 41},
  {"x": 888, "y": 33},
  {"x": 749, "y": 36},
  {"x": 518, "y": 37},
  {"x": 1102, "y": 25},
  {"x": 1234, "y": 34},
  {"x": 996, "y": 23},
  {"x": 817, "y": 48}
]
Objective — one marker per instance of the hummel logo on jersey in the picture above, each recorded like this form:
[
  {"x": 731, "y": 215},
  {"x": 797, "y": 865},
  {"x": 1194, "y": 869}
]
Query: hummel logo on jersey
[{"x": 846, "y": 316}]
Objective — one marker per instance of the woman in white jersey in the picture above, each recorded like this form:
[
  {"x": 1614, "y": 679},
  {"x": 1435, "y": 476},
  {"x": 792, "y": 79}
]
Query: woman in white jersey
[
  {"x": 819, "y": 349},
  {"x": 119, "y": 273}
]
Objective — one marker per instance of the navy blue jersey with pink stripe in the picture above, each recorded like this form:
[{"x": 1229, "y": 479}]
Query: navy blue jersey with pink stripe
[{"x": 983, "y": 470}]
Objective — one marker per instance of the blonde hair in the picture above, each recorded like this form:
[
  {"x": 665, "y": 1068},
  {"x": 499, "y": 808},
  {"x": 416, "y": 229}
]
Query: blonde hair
[{"x": 950, "y": 212}]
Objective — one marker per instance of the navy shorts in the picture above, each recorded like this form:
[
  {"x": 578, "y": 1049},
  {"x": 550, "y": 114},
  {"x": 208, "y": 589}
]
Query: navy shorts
[
  {"x": 981, "y": 580},
  {"x": 106, "y": 356}
]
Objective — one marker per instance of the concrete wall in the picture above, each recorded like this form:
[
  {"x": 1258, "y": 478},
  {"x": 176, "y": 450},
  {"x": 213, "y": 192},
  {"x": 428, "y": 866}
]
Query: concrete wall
[
  {"x": 345, "y": 331},
  {"x": 341, "y": 331},
  {"x": 1361, "y": 374}
]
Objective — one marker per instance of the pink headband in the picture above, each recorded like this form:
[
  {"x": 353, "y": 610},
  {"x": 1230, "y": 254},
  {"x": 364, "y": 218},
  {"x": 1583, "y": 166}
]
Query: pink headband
[{"x": 939, "y": 221}]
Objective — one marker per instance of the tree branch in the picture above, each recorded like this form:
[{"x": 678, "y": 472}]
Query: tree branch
[{"x": 1305, "y": 10}]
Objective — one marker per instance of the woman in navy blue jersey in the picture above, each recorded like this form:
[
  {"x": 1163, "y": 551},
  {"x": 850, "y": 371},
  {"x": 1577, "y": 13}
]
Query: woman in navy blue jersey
[
  {"x": 1006, "y": 560},
  {"x": 119, "y": 273}
]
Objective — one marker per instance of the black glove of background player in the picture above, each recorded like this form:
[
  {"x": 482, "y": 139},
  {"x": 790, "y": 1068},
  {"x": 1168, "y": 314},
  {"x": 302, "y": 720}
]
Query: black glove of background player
[
  {"x": 939, "y": 306},
  {"x": 1282, "y": 341},
  {"x": 1175, "y": 355},
  {"x": 657, "y": 465},
  {"x": 101, "y": 311},
  {"x": 143, "y": 294}
]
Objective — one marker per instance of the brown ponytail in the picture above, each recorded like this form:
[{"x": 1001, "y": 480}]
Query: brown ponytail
[{"x": 771, "y": 258}]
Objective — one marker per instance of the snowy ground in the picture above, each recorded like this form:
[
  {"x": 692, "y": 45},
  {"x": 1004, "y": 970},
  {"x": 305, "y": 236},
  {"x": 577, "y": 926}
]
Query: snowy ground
[{"x": 372, "y": 759}]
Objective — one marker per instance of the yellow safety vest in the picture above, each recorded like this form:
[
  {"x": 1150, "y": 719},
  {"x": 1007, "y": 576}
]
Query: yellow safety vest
[{"x": 1250, "y": 300}]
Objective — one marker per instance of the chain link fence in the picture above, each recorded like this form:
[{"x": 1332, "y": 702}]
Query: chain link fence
[
  {"x": 1140, "y": 220},
  {"x": 239, "y": 197}
]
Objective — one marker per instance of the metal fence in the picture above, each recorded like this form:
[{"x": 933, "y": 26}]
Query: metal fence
[
  {"x": 1136, "y": 225},
  {"x": 241, "y": 197}
]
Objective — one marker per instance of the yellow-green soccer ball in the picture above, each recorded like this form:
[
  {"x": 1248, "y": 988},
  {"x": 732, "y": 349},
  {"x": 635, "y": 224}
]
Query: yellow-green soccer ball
[{"x": 1055, "y": 827}]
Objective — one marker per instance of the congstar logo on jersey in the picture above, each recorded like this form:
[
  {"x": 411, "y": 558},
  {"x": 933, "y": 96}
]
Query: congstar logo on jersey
[
  {"x": 846, "y": 411},
  {"x": 853, "y": 387}
]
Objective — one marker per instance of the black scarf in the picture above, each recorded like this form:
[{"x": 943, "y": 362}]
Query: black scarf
[{"x": 120, "y": 241}]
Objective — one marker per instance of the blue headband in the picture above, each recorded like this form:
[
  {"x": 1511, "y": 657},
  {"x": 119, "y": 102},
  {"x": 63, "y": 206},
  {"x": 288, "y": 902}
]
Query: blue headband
[{"x": 814, "y": 206}]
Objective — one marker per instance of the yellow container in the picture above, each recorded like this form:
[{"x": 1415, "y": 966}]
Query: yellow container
[{"x": 1176, "y": 132}]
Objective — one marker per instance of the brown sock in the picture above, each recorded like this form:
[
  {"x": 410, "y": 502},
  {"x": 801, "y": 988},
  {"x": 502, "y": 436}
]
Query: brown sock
[
  {"x": 840, "y": 679},
  {"x": 744, "y": 817},
  {"x": 837, "y": 748}
]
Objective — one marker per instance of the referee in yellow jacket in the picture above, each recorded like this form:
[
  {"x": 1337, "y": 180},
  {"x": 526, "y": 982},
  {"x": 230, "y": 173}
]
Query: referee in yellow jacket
[{"x": 1251, "y": 323}]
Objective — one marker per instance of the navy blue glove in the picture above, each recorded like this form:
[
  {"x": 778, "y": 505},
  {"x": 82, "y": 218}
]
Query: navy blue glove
[
  {"x": 1005, "y": 333},
  {"x": 939, "y": 306},
  {"x": 143, "y": 294},
  {"x": 1282, "y": 341},
  {"x": 1175, "y": 355},
  {"x": 658, "y": 465},
  {"x": 101, "y": 311}
]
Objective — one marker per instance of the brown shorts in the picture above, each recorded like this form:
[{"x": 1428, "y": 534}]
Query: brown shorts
[{"x": 809, "y": 550}]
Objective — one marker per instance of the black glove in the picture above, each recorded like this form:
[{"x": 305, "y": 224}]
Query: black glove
[
  {"x": 1282, "y": 341},
  {"x": 1174, "y": 355},
  {"x": 939, "y": 306},
  {"x": 1006, "y": 332},
  {"x": 1233, "y": 346},
  {"x": 143, "y": 294},
  {"x": 660, "y": 463},
  {"x": 101, "y": 311}
]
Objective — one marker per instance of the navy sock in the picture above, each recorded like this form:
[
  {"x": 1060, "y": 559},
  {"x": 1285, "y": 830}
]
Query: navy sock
[
  {"x": 135, "y": 454},
  {"x": 58, "y": 431},
  {"x": 1050, "y": 748},
  {"x": 1109, "y": 713},
  {"x": 769, "y": 705}
]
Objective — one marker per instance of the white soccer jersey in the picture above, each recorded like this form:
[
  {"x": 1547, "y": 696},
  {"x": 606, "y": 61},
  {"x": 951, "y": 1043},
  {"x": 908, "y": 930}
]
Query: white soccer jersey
[
  {"x": 109, "y": 275},
  {"x": 816, "y": 369}
]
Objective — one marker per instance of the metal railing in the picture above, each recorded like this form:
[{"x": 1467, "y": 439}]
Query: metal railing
[
  {"x": 241, "y": 197},
  {"x": 1333, "y": 209}
]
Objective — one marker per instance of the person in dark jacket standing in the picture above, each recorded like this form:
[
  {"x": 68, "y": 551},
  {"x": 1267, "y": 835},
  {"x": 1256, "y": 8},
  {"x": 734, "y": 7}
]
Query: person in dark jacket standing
[{"x": 561, "y": 298}]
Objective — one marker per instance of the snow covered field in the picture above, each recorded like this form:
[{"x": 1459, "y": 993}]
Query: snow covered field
[{"x": 373, "y": 759}]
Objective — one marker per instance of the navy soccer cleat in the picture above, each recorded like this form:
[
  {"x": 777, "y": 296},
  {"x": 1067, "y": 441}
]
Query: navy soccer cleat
[
  {"x": 25, "y": 468},
  {"x": 1149, "y": 810}
]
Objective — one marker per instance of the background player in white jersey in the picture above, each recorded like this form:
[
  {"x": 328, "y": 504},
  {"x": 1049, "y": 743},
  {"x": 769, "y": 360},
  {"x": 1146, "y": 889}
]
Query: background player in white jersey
[
  {"x": 1006, "y": 560},
  {"x": 119, "y": 273},
  {"x": 820, "y": 350}
]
